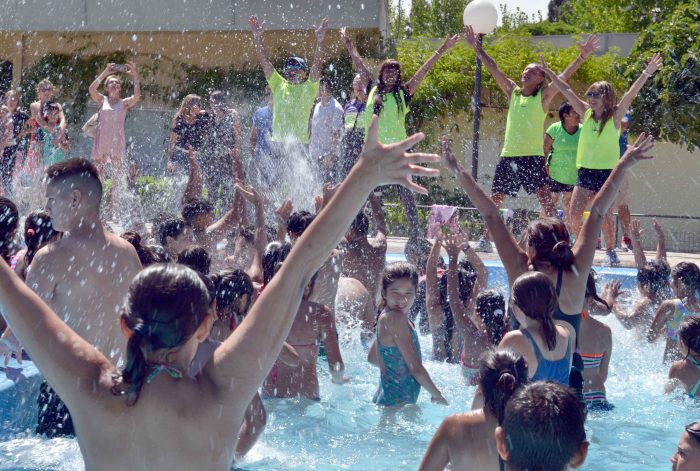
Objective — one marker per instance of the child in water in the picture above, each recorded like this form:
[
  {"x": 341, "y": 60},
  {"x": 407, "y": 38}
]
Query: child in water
[
  {"x": 685, "y": 282},
  {"x": 685, "y": 373},
  {"x": 396, "y": 350},
  {"x": 547, "y": 347}
]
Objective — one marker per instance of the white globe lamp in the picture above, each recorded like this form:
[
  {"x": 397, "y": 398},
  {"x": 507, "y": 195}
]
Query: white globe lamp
[{"x": 481, "y": 15}]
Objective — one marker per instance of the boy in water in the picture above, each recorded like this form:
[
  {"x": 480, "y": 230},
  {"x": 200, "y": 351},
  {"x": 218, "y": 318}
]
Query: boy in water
[
  {"x": 687, "y": 455},
  {"x": 543, "y": 429}
]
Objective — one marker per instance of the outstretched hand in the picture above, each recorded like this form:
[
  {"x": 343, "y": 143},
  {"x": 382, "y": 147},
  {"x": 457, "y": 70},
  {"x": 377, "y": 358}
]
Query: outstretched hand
[
  {"x": 344, "y": 35},
  {"x": 638, "y": 151},
  {"x": 250, "y": 194},
  {"x": 545, "y": 68},
  {"x": 589, "y": 46},
  {"x": 636, "y": 229},
  {"x": 454, "y": 242},
  {"x": 448, "y": 157},
  {"x": 470, "y": 36},
  {"x": 284, "y": 211},
  {"x": 321, "y": 30},
  {"x": 256, "y": 26},
  {"x": 654, "y": 64},
  {"x": 451, "y": 41},
  {"x": 393, "y": 164},
  {"x": 658, "y": 229}
]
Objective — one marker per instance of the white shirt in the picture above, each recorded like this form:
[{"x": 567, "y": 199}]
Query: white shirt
[{"x": 327, "y": 120}]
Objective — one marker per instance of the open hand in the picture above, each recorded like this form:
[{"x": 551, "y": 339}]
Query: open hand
[
  {"x": 470, "y": 37},
  {"x": 545, "y": 68},
  {"x": 321, "y": 30},
  {"x": 454, "y": 242},
  {"x": 589, "y": 46},
  {"x": 638, "y": 151},
  {"x": 636, "y": 229},
  {"x": 344, "y": 35},
  {"x": 284, "y": 211},
  {"x": 450, "y": 42},
  {"x": 255, "y": 26},
  {"x": 654, "y": 63},
  {"x": 658, "y": 229},
  {"x": 448, "y": 157},
  {"x": 393, "y": 164}
]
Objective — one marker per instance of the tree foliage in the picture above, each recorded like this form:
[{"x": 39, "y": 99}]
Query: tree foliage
[
  {"x": 616, "y": 16},
  {"x": 670, "y": 99}
]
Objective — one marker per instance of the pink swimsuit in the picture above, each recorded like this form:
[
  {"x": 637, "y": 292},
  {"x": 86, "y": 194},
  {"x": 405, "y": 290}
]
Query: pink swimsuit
[{"x": 110, "y": 141}]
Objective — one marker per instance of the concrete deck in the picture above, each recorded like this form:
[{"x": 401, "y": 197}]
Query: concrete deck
[{"x": 396, "y": 245}]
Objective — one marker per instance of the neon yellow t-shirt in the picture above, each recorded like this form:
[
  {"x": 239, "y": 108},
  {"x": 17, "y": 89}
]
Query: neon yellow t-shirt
[
  {"x": 392, "y": 121},
  {"x": 524, "y": 125},
  {"x": 292, "y": 108},
  {"x": 562, "y": 160},
  {"x": 598, "y": 151}
]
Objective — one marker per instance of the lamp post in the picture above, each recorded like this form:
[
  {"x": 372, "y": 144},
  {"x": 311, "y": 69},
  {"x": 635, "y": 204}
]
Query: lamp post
[{"x": 482, "y": 16}]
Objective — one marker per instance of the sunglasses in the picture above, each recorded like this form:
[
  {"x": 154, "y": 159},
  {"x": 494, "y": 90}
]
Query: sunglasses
[
  {"x": 693, "y": 430},
  {"x": 594, "y": 94}
]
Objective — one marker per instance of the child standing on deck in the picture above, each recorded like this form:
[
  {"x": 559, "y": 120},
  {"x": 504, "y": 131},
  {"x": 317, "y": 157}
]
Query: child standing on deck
[{"x": 396, "y": 350}]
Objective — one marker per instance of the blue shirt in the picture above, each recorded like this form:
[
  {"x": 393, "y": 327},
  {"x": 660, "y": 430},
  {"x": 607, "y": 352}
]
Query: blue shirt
[
  {"x": 625, "y": 135},
  {"x": 262, "y": 121}
]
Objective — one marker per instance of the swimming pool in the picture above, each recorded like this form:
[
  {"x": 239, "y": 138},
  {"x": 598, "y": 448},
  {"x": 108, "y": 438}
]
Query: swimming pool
[{"x": 346, "y": 431}]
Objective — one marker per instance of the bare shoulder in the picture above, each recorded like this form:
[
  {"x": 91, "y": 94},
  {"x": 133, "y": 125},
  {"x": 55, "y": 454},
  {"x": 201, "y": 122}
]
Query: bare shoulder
[
  {"x": 514, "y": 337},
  {"x": 676, "y": 369}
]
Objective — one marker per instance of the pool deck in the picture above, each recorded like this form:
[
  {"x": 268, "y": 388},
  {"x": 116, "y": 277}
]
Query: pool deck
[{"x": 396, "y": 245}]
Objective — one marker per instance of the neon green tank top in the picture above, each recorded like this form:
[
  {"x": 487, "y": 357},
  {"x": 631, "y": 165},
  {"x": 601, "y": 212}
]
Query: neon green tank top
[
  {"x": 392, "y": 122},
  {"x": 524, "y": 125},
  {"x": 598, "y": 151},
  {"x": 562, "y": 160}
]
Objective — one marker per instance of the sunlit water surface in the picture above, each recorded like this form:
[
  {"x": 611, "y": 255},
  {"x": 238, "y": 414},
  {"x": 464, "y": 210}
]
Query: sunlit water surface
[{"x": 346, "y": 431}]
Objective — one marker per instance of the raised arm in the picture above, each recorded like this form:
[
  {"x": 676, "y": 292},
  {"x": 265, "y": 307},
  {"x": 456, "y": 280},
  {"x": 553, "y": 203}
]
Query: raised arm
[
  {"x": 253, "y": 347},
  {"x": 378, "y": 217},
  {"x": 258, "y": 202},
  {"x": 329, "y": 337},
  {"x": 131, "y": 101},
  {"x": 626, "y": 101},
  {"x": 586, "y": 49},
  {"x": 315, "y": 72},
  {"x": 194, "y": 181},
  {"x": 503, "y": 82},
  {"x": 514, "y": 258},
  {"x": 461, "y": 313},
  {"x": 96, "y": 96},
  {"x": 71, "y": 365},
  {"x": 432, "y": 299},
  {"x": 640, "y": 259},
  {"x": 584, "y": 248},
  {"x": 357, "y": 61},
  {"x": 236, "y": 152},
  {"x": 415, "y": 81},
  {"x": 660, "y": 241},
  {"x": 258, "y": 28},
  {"x": 282, "y": 214},
  {"x": 579, "y": 105},
  {"x": 665, "y": 311}
]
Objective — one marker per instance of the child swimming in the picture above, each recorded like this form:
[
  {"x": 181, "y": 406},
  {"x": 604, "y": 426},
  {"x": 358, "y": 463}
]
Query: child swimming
[
  {"x": 685, "y": 373},
  {"x": 396, "y": 350}
]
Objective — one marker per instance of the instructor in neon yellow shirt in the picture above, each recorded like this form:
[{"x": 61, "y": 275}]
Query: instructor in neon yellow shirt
[{"x": 522, "y": 157}]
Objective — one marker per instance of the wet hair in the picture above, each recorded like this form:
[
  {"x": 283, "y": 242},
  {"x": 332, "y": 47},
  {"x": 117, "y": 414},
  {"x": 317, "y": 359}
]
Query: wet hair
[
  {"x": 44, "y": 83},
  {"x": 397, "y": 271},
  {"x": 10, "y": 93},
  {"x": 37, "y": 232},
  {"x": 275, "y": 253},
  {"x": 544, "y": 427},
  {"x": 565, "y": 108},
  {"x": 299, "y": 221},
  {"x": 655, "y": 276},
  {"x": 326, "y": 82},
  {"x": 390, "y": 64},
  {"x": 231, "y": 285},
  {"x": 76, "y": 171},
  {"x": 9, "y": 220},
  {"x": 501, "y": 373},
  {"x": 145, "y": 254},
  {"x": 609, "y": 103},
  {"x": 162, "y": 255},
  {"x": 163, "y": 308},
  {"x": 534, "y": 294},
  {"x": 186, "y": 106},
  {"x": 467, "y": 278},
  {"x": 112, "y": 77},
  {"x": 550, "y": 240},
  {"x": 491, "y": 308},
  {"x": 246, "y": 233},
  {"x": 194, "y": 207},
  {"x": 197, "y": 258},
  {"x": 360, "y": 225},
  {"x": 51, "y": 106},
  {"x": 689, "y": 274},
  {"x": 689, "y": 333},
  {"x": 218, "y": 97},
  {"x": 170, "y": 228},
  {"x": 592, "y": 291}
]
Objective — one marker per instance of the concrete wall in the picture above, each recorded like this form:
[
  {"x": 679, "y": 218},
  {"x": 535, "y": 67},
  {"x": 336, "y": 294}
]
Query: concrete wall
[
  {"x": 189, "y": 15},
  {"x": 665, "y": 186}
]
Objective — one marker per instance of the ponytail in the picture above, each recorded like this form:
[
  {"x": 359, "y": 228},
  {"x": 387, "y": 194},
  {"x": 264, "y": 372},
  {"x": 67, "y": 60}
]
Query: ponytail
[
  {"x": 550, "y": 240},
  {"x": 134, "y": 372},
  {"x": 535, "y": 295},
  {"x": 501, "y": 374}
]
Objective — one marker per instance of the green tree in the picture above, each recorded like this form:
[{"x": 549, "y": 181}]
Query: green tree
[
  {"x": 617, "y": 16},
  {"x": 421, "y": 18},
  {"x": 671, "y": 98},
  {"x": 447, "y": 16}
]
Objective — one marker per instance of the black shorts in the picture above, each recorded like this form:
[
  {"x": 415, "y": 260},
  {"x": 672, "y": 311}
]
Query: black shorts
[
  {"x": 54, "y": 419},
  {"x": 556, "y": 187},
  {"x": 514, "y": 172},
  {"x": 592, "y": 179}
]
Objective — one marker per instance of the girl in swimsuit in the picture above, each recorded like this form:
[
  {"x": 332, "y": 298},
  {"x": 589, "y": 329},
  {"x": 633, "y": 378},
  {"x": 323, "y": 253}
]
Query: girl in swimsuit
[
  {"x": 38, "y": 232},
  {"x": 685, "y": 373},
  {"x": 548, "y": 249},
  {"x": 467, "y": 441},
  {"x": 547, "y": 347},
  {"x": 596, "y": 347},
  {"x": 396, "y": 350},
  {"x": 685, "y": 282}
]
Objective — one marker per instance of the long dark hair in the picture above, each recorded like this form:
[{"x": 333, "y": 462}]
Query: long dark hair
[
  {"x": 396, "y": 89},
  {"x": 591, "y": 290},
  {"x": 274, "y": 254},
  {"x": 9, "y": 220},
  {"x": 37, "y": 232},
  {"x": 550, "y": 240},
  {"x": 535, "y": 295},
  {"x": 394, "y": 272},
  {"x": 146, "y": 255},
  {"x": 231, "y": 285},
  {"x": 655, "y": 275},
  {"x": 689, "y": 274},
  {"x": 689, "y": 333},
  {"x": 491, "y": 307},
  {"x": 501, "y": 373},
  {"x": 164, "y": 307}
]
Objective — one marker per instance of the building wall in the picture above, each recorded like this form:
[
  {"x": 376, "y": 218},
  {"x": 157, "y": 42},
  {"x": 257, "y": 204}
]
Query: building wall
[
  {"x": 189, "y": 15},
  {"x": 622, "y": 42}
]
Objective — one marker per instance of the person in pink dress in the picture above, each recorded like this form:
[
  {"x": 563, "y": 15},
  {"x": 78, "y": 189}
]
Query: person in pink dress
[{"x": 109, "y": 148}]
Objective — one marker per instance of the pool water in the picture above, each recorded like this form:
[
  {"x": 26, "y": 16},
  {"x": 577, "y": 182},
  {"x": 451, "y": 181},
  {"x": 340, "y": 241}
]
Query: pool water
[{"x": 346, "y": 431}]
